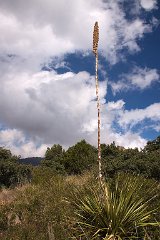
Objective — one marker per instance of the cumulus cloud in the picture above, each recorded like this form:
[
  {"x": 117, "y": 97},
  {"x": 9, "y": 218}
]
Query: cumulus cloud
[
  {"x": 148, "y": 4},
  {"x": 143, "y": 78},
  {"x": 115, "y": 105},
  {"x": 121, "y": 123},
  {"x": 16, "y": 141},
  {"x": 139, "y": 78},
  {"x": 135, "y": 116},
  {"x": 53, "y": 107},
  {"x": 39, "y": 29},
  {"x": 41, "y": 108},
  {"x": 49, "y": 108},
  {"x": 129, "y": 140}
]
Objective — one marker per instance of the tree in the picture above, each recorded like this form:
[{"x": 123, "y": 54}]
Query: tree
[
  {"x": 153, "y": 145},
  {"x": 54, "y": 158},
  {"x": 11, "y": 172},
  {"x": 110, "y": 150},
  {"x": 145, "y": 162},
  {"x": 80, "y": 157},
  {"x": 5, "y": 154},
  {"x": 55, "y": 153}
]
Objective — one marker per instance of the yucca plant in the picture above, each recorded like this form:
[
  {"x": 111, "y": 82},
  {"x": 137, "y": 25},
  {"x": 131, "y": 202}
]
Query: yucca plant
[{"x": 123, "y": 213}]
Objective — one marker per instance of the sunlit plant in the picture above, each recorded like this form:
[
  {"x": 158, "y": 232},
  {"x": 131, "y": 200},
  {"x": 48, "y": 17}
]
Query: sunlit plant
[{"x": 122, "y": 213}]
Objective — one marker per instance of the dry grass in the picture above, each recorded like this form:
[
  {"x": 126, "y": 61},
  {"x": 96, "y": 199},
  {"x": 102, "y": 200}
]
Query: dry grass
[
  {"x": 78, "y": 180},
  {"x": 9, "y": 195}
]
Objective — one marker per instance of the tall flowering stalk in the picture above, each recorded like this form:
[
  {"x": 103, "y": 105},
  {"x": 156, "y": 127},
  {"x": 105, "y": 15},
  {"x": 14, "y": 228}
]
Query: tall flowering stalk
[{"x": 95, "y": 51}]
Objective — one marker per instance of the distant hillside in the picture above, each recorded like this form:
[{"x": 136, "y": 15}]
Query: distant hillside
[{"x": 34, "y": 161}]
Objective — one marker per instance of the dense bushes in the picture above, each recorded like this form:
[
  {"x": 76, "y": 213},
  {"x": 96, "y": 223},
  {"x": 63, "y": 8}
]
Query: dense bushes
[
  {"x": 82, "y": 156},
  {"x": 50, "y": 209},
  {"x": 45, "y": 209},
  {"x": 75, "y": 160},
  {"x": 146, "y": 162},
  {"x": 11, "y": 172},
  {"x": 42, "y": 210},
  {"x": 54, "y": 159}
]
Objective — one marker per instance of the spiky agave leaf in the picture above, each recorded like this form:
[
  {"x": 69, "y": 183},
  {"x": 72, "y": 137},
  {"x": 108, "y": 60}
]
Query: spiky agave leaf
[{"x": 121, "y": 214}]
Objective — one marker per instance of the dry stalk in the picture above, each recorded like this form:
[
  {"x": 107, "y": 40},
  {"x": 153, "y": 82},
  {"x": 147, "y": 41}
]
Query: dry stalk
[
  {"x": 50, "y": 231},
  {"x": 95, "y": 51}
]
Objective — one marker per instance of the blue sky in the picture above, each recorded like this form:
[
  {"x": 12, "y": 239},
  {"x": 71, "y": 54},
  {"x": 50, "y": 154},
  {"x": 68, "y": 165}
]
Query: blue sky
[{"x": 47, "y": 93}]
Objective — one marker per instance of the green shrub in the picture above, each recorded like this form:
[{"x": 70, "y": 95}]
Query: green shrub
[
  {"x": 80, "y": 157},
  {"x": 123, "y": 210}
]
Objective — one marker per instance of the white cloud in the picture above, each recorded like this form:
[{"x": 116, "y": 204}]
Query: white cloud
[
  {"x": 139, "y": 78},
  {"x": 148, "y": 4},
  {"x": 58, "y": 109},
  {"x": 54, "y": 108},
  {"x": 134, "y": 116},
  {"x": 43, "y": 108},
  {"x": 125, "y": 120},
  {"x": 157, "y": 128},
  {"x": 8, "y": 135},
  {"x": 16, "y": 141},
  {"x": 118, "y": 86},
  {"x": 111, "y": 112},
  {"x": 134, "y": 30},
  {"x": 115, "y": 105},
  {"x": 31, "y": 45},
  {"x": 130, "y": 140},
  {"x": 143, "y": 78},
  {"x": 39, "y": 30}
]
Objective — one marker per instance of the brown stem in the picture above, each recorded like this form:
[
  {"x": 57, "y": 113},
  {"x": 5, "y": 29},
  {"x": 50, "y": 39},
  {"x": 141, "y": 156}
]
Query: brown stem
[
  {"x": 95, "y": 51},
  {"x": 99, "y": 121}
]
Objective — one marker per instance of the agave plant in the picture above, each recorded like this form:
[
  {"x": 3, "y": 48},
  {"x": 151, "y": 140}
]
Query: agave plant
[{"x": 123, "y": 212}]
